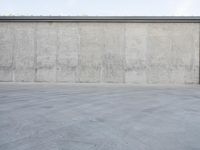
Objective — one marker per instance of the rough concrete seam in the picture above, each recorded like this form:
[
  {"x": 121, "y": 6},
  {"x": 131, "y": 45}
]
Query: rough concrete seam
[
  {"x": 145, "y": 53},
  {"x": 13, "y": 53},
  {"x": 199, "y": 53},
  {"x": 57, "y": 49},
  {"x": 35, "y": 52},
  {"x": 102, "y": 55},
  {"x": 171, "y": 49},
  {"x": 124, "y": 60},
  {"x": 77, "y": 77}
]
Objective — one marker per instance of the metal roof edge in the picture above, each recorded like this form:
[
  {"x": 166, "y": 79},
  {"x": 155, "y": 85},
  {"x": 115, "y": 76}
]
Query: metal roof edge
[{"x": 136, "y": 19}]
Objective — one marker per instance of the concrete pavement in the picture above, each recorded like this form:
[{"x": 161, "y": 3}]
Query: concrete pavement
[{"x": 99, "y": 117}]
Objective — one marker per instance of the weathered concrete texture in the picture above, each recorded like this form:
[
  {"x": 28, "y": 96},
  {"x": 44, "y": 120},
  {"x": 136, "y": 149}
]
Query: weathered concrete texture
[
  {"x": 99, "y": 117},
  {"x": 162, "y": 53},
  {"x": 6, "y": 52},
  {"x": 136, "y": 48},
  {"x": 47, "y": 45},
  {"x": 114, "y": 55},
  {"x": 91, "y": 50},
  {"x": 24, "y": 52},
  {"x": 171, "y": 53},
  {"x": 140, "y": 53},
  {"x": 67, "y": 54}
]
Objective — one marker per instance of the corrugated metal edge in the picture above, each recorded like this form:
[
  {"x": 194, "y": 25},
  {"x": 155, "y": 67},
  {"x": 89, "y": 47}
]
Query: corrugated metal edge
[{"x": 134, "y": 19}]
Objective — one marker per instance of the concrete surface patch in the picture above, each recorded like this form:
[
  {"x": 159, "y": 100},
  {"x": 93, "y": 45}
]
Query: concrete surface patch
[
  {"x": 139, "y": 53},
  {"x": 99, "y": 117}
]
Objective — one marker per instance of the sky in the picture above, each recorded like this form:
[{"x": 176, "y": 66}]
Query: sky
[{"x": 100, "y": 7}]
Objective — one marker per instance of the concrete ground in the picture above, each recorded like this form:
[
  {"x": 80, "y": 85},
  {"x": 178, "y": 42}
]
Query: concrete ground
[{"x": 99, "y": 117}]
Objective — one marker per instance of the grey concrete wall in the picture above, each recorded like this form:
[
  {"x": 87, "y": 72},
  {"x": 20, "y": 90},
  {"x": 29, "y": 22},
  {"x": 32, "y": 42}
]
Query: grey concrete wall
[{"x": 139, "y": 53}]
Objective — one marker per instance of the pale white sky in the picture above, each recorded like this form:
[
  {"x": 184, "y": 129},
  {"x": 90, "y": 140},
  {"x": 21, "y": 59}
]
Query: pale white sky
[{"x": 101, "y": 7}]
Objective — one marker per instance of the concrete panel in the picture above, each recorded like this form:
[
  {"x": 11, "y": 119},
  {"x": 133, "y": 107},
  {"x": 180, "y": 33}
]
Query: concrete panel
[
  {"x": 67, "y": 55},
  {"x": 162, "y": 53},
  {"x": 171, "y": 50},
  {"x": 6, "y": 52},
  {"x": 24, "y": 51},
  {"x": 154, "y": 53},
  {"x": 157, "y": 58},
  {"x": 91, "y": 50},
  {"x": 185, "y": 48},
  {"x": 114, "y": 55},
  {"x": 136, "y": 47},
  {"x": 47, "y": 44}
]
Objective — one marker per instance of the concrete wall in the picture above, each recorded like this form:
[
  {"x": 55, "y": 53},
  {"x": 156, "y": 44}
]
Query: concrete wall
[{"x": 140, "y": 53}]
